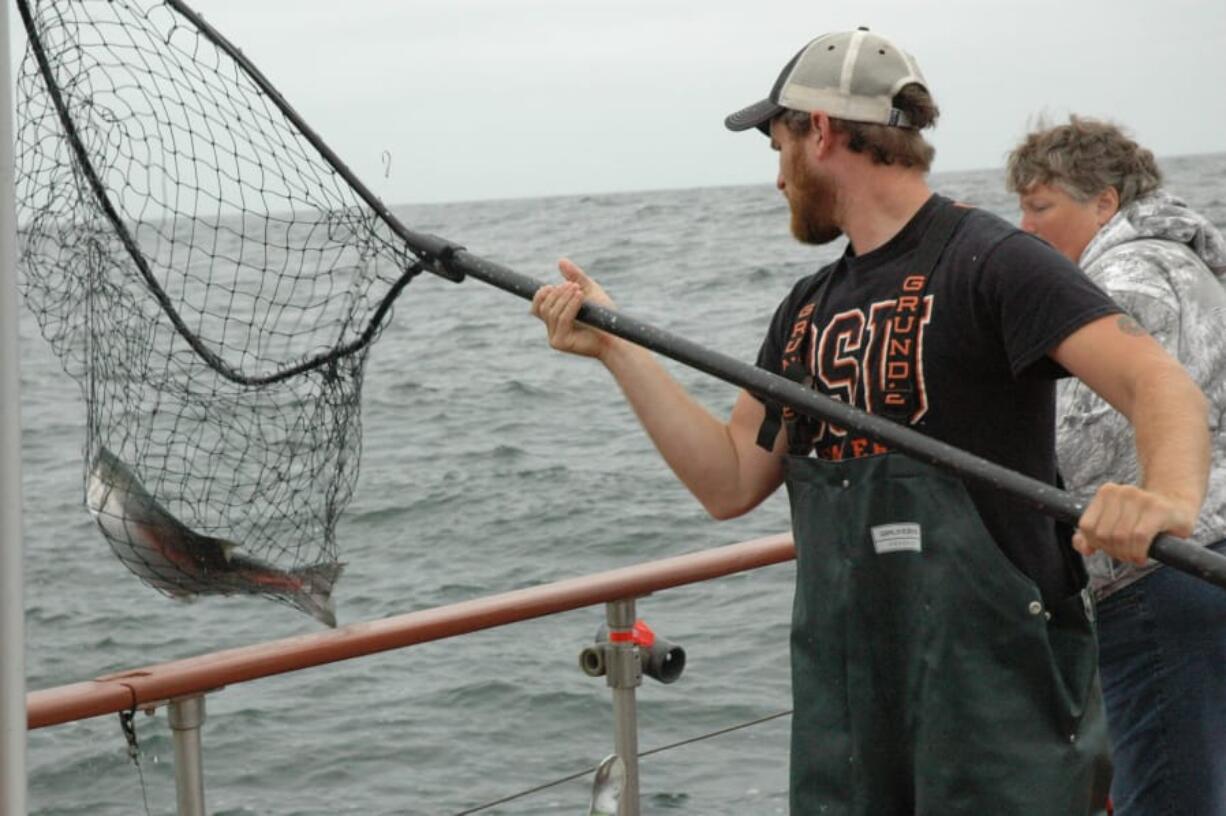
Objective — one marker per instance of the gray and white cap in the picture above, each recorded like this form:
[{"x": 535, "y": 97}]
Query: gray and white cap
[{"x": 850, "y": 75}]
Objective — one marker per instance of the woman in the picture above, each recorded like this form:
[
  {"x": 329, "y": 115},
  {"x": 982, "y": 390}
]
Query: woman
[{"x": 1096, "y": 196}]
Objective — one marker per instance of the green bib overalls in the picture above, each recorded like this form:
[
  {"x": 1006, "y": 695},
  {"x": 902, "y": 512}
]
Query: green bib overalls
[{"x": 928, "y": 675}]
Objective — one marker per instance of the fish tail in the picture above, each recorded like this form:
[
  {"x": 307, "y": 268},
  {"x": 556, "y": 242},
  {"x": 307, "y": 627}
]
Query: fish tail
[{"x": 315, "y": 595}]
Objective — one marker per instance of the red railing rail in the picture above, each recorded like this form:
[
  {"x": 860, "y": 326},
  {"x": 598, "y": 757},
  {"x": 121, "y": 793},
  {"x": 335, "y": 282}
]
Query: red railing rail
[{"x": 150, "y": 685}]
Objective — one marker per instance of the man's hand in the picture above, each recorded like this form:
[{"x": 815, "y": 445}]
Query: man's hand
[
  {"x": 1122, "y": 521},
  {"x": 557, "y": 306}
]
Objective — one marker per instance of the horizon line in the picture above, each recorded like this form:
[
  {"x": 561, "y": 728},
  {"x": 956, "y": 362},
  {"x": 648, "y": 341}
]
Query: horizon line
[{"x": 713, "y": 186}]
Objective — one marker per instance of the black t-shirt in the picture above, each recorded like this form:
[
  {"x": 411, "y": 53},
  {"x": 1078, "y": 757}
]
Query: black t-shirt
[{"x": 997, "y": 302}]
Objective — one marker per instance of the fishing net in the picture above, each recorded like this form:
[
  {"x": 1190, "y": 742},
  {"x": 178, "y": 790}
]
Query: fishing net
[
  {"x": 211, "y": 279},
  {"x": 213, "y": 275}
]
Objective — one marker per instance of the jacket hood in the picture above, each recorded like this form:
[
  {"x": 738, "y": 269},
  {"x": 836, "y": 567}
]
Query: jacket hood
[{"x": 1165, "y": 217}]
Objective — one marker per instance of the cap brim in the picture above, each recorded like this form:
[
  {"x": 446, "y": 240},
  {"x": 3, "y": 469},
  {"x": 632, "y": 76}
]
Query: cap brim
[{"x": 758, "y": 115}]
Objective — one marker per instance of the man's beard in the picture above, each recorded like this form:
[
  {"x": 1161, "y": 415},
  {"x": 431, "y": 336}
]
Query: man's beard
[{"x": 812, "y": 205}]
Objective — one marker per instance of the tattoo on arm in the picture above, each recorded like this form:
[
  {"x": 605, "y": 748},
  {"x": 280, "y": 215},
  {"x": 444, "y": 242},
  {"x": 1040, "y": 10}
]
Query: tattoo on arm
[{"x": 1130, "y": 326}]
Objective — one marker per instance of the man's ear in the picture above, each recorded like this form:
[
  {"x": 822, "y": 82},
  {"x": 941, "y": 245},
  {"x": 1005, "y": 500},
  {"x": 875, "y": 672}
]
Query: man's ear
[
  {"x": 823, "y": 132},
  {"x": 1106, "y": 205}
]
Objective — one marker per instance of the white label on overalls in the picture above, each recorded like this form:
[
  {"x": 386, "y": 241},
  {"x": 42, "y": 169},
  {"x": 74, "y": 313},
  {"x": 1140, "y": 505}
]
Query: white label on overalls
[{"x": 889, "y": 538}]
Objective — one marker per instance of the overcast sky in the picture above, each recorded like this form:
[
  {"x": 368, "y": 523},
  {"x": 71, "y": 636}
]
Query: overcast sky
[{"x": 477, "y": 99}]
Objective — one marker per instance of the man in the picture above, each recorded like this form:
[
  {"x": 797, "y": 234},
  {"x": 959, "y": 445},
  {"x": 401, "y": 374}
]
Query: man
[{"x": 942, "y": 642}]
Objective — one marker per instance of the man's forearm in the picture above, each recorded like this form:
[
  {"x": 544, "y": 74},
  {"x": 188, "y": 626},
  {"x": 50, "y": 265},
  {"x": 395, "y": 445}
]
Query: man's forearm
[
  {"x": 1170, "y": 419},
  {"x": 700, "y": 449}
]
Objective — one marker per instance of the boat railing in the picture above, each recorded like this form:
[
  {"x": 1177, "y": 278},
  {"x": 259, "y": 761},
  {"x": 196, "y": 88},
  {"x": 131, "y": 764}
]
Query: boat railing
[{"x": 182, "y": 685}]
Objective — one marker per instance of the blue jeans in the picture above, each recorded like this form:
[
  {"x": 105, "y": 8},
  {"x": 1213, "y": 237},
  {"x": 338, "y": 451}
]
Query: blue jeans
[{"x": 1162, "y": 654}]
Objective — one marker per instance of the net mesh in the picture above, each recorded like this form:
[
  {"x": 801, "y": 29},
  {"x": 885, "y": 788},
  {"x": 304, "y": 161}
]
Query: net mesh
[{"x": 213, "y": 284}]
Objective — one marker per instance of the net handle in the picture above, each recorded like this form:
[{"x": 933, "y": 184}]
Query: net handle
[
  {"x": 1183, "y": 555},
  {"x": 449, "y": 260},
  {"x": 453, "y": 262}
]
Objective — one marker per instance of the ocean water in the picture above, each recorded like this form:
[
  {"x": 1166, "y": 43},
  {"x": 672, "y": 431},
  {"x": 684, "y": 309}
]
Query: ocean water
[{"x": 490, "y": 463}]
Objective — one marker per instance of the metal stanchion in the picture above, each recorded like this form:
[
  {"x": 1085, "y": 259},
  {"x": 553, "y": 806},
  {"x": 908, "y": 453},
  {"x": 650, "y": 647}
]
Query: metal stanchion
[
  {"x": 624, "y": 673},
  {"x": 12, "y": 618},
  {"x": 186, "y": 717},
  {"x": 624, "y": 651},
  {"x": 616, "y": 656}
]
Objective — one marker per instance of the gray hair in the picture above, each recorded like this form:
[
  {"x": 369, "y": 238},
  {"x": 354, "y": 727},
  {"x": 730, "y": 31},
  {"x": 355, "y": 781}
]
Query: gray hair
[{"x": 1083, "y": 158}]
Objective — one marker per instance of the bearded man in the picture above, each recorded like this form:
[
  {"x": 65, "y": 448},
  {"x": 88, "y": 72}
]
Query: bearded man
[{"x": 943, "y": 657}]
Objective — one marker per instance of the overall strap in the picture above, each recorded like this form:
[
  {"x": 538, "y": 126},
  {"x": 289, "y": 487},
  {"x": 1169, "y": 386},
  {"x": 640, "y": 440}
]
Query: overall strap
[
  {"x": 793, "y": 365},
  {"x": 899, "y": 383}
]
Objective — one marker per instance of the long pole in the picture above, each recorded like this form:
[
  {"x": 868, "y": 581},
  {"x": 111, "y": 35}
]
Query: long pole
[
  {"x": 12, "y": 622},
  {"x": 452, "y": 261},
  {"x": 1182, "y": 555}
]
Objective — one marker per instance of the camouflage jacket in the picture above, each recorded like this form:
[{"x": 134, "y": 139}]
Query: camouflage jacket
[{"x": 1165, "y": 265}]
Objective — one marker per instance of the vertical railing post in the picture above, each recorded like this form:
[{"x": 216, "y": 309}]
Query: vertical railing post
[
  {"x": 12, "y": 611},
  {"x": 624, "y": 673},
  {"x": 186, "y": 717}
]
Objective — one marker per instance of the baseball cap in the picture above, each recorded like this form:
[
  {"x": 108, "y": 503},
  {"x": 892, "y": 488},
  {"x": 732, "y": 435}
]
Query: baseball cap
[{"x": 850, "y": 75}]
